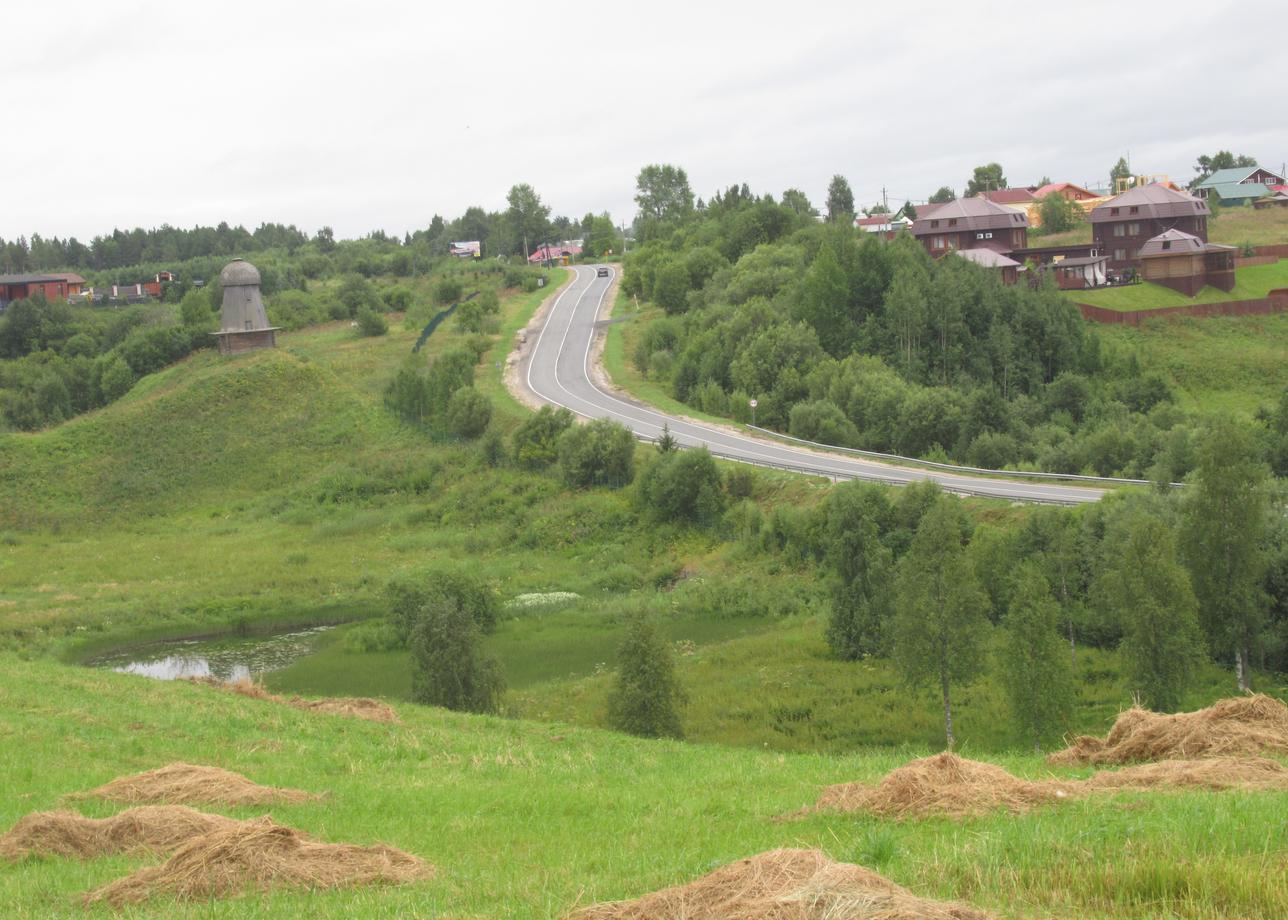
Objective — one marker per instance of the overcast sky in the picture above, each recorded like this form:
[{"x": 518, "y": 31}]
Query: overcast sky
[{"x": 366, "y": 115}]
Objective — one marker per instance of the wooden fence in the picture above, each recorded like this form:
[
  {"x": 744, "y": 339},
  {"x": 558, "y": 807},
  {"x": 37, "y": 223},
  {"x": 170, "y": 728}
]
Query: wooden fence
[
  {"x": 1245, "y": 261},
  {"x": 1276, "y": 302},
  {"x": 1278, "y": 251}
]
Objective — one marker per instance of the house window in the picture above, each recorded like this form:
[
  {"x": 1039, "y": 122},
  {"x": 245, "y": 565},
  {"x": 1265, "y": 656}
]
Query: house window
[
  {"x": 1113, "y": 211},
  {"x": 1134, "y": 210},
  {"x": 937, "y": 242},
  {"x": 952, "y": 222},
  {"x": 1120, "y": 255},
  {"x": 1167, "y": 244},
  {"x": 1119, "y": 230},
  {"x": 1133, "y": 229},
  {"x": 933, "y": 224}
]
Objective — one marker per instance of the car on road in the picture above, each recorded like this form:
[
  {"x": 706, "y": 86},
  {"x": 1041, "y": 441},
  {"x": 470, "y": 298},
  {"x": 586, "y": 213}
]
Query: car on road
[{"x": 601, "y": 272}]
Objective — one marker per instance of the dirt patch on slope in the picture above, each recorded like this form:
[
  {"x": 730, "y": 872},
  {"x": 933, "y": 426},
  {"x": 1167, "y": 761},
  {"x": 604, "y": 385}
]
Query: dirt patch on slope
[
  {"x": 260, "y": 855},
  {"x": 182, "y": 783},
  {"x": 946, "y": 784},
  {"x": 151, "y": 828},
  {"x": 358, "y": 707},
  {"x": 783, "y": 885},
  {"x": 1252, "y": 724}
]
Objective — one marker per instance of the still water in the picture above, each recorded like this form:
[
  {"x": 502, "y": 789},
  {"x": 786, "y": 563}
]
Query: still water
[{"x": 227, "y": 659}]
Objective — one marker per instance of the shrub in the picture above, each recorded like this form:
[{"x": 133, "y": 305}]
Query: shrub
[
  {"x": 406, "y": 596},
  {"x": 397, "y": 298},
  {"x": 371, "y": 323},
  {"x": 646, "y": 696},
  {"x": 356, "y": 292},
  {"x": 671, "y": 287},
  {"x": 468, "y": 413},
  {"x": 601, "y": 452},
  {"x": 682, "y": 486},
  {"x": 536, "y": 440},
  {"x": 492, "y": 447},
  {"x": 448, "y": 667},
  {"x": 448, "y": 290}
]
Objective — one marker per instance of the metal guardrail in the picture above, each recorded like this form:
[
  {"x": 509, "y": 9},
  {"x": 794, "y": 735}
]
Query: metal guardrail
[
  {"x": 837, "y": 476},
  {"x": 953, "y": 468}
]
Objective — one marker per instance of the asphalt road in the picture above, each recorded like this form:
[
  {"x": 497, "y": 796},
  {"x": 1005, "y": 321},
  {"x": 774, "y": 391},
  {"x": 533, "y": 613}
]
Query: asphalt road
[{"x": 557, "y": 370}]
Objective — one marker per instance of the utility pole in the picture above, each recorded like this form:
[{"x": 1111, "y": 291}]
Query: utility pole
[{"x": 885, "y": 200}]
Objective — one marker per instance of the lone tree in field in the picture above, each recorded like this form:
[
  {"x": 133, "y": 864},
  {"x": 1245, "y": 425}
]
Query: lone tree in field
[
  {"x": 448, "y": 667},
  {"x": 940, "y": 627},
  {"x": 1225, "y": 520},
  {"x": 1149, "y": 591},
  {"x": 1036, "y": 672},
  {"x": 646, "y": 698}
]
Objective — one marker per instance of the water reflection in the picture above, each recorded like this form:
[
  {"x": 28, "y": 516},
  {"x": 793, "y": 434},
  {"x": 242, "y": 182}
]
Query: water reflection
[{"x": 224, "y": 659}]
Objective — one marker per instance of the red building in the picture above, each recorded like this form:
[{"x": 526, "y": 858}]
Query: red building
[
  {"x": 53, "y": 286},
  {"x": 971, "y": 223},
  {"x": 1122, "y": 225}
]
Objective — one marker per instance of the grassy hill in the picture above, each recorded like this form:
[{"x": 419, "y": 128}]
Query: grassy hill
[
  {"x": 1231, "y": 227},
  {"x": 1251, "y": 283},
  {"x": 524, "y": 820}
]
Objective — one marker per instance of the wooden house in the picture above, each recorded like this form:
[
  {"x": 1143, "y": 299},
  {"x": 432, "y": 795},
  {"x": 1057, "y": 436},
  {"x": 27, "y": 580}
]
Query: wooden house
[
  {"x": 1185, "y": 263},
  {"x": 51, "y": 286},
  {"x": 1123, "y": 224},
  {"x": 971, "y": 223},
  {"x": 1240, "y": 185},
  {"x": 1005, "y": 266}
]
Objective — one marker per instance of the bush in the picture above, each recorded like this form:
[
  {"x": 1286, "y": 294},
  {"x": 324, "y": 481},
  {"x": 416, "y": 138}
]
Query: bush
[
  {"x": 408, "y": 594},
  {"x": 397, "y": 298},
  {"x": 371, "y": 323},
  {"x": 448, "y": 667},
  {"x": 468, "y": 413},
  {"x": 601, "y": 452},
  {"x": 448, "y": 290},
  {"x": 671, "y": 287},
  {"x": 356, "y": 292},
  {"x": 646, "y": 696},
  {"x": 822, "y": 421},
  {"x": 682, "y": 486},
  {"x": 536, "y": 440}
]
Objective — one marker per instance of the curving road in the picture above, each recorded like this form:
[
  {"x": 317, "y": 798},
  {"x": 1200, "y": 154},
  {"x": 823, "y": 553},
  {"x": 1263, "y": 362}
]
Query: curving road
[{"x": 557, "y": 370}]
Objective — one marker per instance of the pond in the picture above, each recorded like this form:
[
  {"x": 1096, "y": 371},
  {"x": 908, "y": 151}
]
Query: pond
[{"x": 224, "y": 658}]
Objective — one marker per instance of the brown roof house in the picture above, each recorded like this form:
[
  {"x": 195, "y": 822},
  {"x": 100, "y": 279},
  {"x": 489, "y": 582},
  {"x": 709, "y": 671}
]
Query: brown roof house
[
  {"x": 243, "y": 321},
  {"x": 1005, "y": 266},
  {"x": 971, "y": 223},
  {"x": 1123, "y": 224},
  {"x": 1183, "y": 262}
]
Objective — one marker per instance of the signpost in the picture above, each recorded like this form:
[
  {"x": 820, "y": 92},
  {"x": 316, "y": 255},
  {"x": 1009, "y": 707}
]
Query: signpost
[{"x": 753, "y": 405}]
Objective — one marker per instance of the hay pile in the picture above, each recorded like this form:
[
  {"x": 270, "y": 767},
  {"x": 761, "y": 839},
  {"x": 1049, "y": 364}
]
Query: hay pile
[
  {"x": 783, "y": 885},
  {"x": 151, "y": 828},
  {"x": 179, "y": 783},
  {"x": 950, "y": 785},
  {"x": 1252, "y": 724},
  {"x": 356, "y": 707},
  {"x": 944, "y": 784},
  {"x": 259, "y": 855},
  {"x": 1210, "y": 773}
]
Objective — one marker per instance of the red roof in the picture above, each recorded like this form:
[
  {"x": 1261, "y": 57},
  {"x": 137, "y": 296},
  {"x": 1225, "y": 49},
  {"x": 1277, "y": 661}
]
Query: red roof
[
  {"x": 1081, "y": 193},
  {"x": 1009, "y": 196},
  {"x": 550, "y": 253}
]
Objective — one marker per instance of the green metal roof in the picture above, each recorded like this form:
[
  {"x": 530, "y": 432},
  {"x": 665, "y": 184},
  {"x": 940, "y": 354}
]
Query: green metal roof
[
  {"x": 1228, "y": 191},
  {"x": 1228, "y": 176}
]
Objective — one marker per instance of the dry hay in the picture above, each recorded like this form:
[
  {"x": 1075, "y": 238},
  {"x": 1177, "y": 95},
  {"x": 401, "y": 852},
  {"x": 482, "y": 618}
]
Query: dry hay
[
  {"x": 354, "y": 707},
  {"x": 1210, "y": 773},
  {"x": 1251, "y": 724},
  {"x": 950, "y": 785},
  {"x": 783, "y": 885},
  {"x": 154, "y": 828},
  {"x": 259, "y": 855},
  {"x": 944, "y": 784},
  {"x": 178, "y": 783}
]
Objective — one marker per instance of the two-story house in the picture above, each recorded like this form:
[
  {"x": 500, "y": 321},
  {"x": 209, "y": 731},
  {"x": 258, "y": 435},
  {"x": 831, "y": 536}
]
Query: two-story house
[
  {"x": 971, "y": 223},
  {"x": 1123, "y": 224}
]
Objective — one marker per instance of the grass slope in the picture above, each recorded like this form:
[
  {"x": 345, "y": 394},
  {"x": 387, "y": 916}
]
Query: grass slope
[
  {"x": 1231, "y": 227},
  {"x": 1251, "y": 283},
  {"x": 525, "y": 820}
]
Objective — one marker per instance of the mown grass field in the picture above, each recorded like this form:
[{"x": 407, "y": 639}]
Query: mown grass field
[
  {"x": 525, "y": 820},
  {"x": 1251, "y": 283}
]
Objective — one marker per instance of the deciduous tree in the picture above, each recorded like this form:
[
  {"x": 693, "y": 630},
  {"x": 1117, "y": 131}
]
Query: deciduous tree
[
  {"x": 840, "y": 201},
  {"x": 646, "y": 696},
  {"x": 1034, "y": 669}
]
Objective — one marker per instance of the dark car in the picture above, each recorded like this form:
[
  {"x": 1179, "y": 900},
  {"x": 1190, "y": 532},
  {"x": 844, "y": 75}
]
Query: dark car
[{"x": 601, "y": 272}]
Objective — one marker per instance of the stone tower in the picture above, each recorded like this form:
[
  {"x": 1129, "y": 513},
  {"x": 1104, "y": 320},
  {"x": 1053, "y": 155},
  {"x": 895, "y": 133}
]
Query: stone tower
[{"x": 243, "y": 323}]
